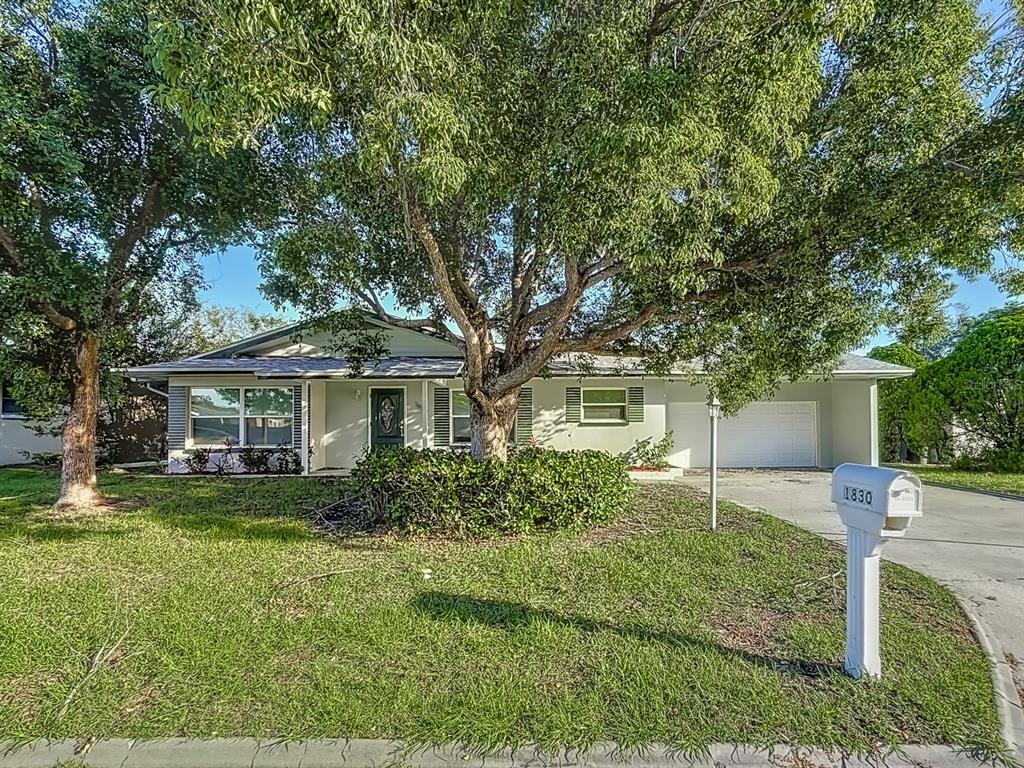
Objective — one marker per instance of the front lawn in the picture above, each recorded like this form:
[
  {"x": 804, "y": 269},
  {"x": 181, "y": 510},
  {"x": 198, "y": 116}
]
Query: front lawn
[
  {"x": 971, "y": 480},
  {"x": 208, "y": 606}
]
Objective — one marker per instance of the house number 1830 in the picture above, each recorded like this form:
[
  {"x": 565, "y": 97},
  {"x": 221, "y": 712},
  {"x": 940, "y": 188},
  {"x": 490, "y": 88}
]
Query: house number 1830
[{"x": 856, "y": 495}]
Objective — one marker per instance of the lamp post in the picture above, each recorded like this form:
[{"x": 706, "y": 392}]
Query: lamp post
[{"x": 714, "y": 409}]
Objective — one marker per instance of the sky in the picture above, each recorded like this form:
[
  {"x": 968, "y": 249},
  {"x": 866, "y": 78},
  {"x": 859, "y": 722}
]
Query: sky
[{"x": 233, "y": 280}]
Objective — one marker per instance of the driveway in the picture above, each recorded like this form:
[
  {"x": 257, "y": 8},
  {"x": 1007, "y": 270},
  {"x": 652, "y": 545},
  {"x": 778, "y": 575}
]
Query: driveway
[{"x": 971, "y": 542}]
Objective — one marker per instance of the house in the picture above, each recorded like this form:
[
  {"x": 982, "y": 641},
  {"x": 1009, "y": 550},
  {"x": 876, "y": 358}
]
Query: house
[
  {"x": 18, "y": 441},
  {"x": 283, "y": 387}
]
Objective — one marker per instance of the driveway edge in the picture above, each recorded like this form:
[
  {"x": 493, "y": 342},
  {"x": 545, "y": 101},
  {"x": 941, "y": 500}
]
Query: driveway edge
[
  {"x": 996, "y": 494},
  {"x": 1008, "y": 703},
  {"x": 375, "y": 753}
]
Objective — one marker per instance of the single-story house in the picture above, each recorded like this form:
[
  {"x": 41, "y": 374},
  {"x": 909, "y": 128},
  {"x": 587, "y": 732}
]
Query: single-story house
[
  {"x": 18, "y": 441},
  {"x": 280, "y": 387}
]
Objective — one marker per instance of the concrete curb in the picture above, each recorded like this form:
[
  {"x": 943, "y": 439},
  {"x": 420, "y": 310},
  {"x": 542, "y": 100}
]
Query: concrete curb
[
  {"x": 996, "y": 494},
  {"x": 367, "y": 753},
  {"x": 1008, "y": 703}
]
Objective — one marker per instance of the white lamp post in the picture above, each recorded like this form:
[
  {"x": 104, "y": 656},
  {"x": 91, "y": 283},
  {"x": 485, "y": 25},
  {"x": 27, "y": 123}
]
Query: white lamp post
[{"x": 714, "y": 409}]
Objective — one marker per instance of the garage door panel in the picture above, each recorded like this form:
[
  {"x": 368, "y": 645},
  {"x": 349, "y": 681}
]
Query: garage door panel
[{"x": 764, "y": 434}]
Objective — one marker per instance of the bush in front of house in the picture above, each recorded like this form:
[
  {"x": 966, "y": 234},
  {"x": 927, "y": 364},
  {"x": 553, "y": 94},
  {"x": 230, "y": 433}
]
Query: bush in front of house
[
  {"x": 648, "y": 454},
  {"x": 448, "y": 491}
]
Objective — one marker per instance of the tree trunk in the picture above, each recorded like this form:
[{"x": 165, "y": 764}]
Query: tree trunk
[
  {"x": 78, "y": 490},
  {"x": 490, "y": 426}
]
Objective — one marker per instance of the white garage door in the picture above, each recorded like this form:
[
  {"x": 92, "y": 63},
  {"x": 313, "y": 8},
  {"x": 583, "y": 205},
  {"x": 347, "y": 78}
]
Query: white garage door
[{"x": 769, "y": 434}]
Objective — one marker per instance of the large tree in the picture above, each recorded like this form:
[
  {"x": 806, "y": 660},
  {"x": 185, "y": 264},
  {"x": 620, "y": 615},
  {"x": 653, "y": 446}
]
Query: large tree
[
  {"x": 753, "y": 184},
  {"x": 104, "y": 205}
]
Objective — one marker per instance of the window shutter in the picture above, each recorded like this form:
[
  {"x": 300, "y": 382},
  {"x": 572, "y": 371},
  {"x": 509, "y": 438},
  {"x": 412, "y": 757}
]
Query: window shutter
[
  {"x": 573, "y": 408},
  {"x": 297, "y": 417},
  {"x": 177, "y": 418},
  {"x": 524, "y": 416},
  {"x": 442, "y": 416},
  {"x": 635, "y": 405}
]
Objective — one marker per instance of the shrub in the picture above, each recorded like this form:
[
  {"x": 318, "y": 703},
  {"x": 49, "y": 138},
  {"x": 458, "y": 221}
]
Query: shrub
[
  {"x": 286, "y": 461},
  {"x": 43, "y": 458},
  {"x": 198, "y": 461},
  {"x": 255, "y": 461},
  {"x": 437, "y": 490},
  {"x": 647, "y": 454}
]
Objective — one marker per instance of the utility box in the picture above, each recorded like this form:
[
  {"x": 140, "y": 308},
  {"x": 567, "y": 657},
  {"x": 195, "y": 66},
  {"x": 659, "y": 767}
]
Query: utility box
[{"x": 875, "y": 504}]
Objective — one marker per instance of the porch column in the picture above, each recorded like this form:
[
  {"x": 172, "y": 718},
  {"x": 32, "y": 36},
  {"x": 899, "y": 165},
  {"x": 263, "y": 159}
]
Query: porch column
[{"x": 304, "y": 443}]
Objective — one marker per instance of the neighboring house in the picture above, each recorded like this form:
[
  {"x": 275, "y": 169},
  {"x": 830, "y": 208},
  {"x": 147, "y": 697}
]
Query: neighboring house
[
  {"x": 18, "y": 441},
  {"x": 271, "y": 390}
]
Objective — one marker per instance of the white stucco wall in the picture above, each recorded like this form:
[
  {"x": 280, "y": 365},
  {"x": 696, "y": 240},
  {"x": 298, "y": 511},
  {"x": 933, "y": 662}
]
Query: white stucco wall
[
  {"x": 347, "y": 418},
  {"x": 17, "y": 436},
  {"x": 855, "y": 421},
  {"x": 551, "y": 430},
  {"x": 846, "y": 416}
]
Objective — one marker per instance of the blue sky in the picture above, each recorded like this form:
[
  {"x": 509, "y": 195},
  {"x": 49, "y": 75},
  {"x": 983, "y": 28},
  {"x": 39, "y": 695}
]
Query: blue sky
[{"x": 234, "y": 280}]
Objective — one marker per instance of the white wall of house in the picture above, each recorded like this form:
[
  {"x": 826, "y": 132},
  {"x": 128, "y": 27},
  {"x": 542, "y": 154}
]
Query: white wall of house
[
  {"x": 855, "y": 421},
  {"x": 17, "y": 436},
  {"x": 838, "y": 418}
]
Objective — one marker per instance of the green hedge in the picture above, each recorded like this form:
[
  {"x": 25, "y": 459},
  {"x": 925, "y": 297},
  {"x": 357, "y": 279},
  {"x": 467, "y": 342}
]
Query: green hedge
[{"x": 438, "y": 490}]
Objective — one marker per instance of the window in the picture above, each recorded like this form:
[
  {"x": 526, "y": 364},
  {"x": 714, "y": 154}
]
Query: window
[
  {"x": 604, "y": 406},
  {"x": 268, "y": 416},
  {"x": 460, "y": 417},
  {"x": 218, "y": 416},
  {"x": 8, "y": 405}
]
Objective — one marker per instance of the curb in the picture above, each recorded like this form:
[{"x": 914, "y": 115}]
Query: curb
[
  {"x": 364, "y": 753},
  {"x": 962, "y": 489},
  {"x": 1008, "y": 703}
]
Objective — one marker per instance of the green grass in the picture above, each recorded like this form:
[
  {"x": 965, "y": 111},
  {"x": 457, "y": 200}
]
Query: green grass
[
  {"x": 971, "y": 480},
  {"x": 652, "y": 629}
]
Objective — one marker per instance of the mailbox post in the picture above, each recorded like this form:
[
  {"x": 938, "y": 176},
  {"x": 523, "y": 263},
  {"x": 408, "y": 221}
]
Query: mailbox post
[{"x": 876, "y": 504}]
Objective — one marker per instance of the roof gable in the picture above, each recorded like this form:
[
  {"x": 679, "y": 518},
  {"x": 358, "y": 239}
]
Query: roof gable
[{"x": 292, "y": 341}]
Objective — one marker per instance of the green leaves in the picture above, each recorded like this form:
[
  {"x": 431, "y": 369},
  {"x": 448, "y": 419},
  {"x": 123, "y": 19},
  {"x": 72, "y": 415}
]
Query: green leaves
[{"x": 758, "y": 185}]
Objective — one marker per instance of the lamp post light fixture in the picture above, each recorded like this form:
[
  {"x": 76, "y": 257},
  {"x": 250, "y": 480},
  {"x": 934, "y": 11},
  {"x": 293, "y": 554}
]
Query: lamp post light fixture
[{"x": 714, "y": 411}]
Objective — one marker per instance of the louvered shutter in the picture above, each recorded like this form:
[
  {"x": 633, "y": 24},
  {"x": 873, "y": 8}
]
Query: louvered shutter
[
  {"x": 177, "y": 418},
  {"x": 635, "y": 405},
  {"x": 297, "y": 417},
  {"x": 442, "y": 416},
  {"x": 524, "y": 416},
  {"x": 573, "y": 408}
]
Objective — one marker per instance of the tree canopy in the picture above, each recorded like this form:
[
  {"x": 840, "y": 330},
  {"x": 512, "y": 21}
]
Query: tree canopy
[
  {"x": 105, "y": 204},
  {"x": 751, "y": 185}
]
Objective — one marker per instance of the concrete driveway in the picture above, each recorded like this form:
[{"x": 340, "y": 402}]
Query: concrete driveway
[{"x": 971, "y": 542}]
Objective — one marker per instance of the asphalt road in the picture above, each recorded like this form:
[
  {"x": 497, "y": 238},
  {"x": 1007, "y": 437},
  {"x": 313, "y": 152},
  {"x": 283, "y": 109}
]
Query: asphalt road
[{"x": 972, "y": 542}]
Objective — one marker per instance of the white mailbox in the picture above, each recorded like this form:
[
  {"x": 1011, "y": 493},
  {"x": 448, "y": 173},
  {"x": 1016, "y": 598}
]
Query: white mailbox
[
  {"x": 876, "y": 499},
  {"x": 875, "y": 504}
]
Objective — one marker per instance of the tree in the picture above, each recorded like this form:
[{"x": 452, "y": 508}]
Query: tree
[
  {"x": 981, "y": 384},
  {"x": 104, "y": 205},
  {"x": 216, "y": 326},
  {"x": 749, "y": 184},
  {"x": 894, "y": 396}
]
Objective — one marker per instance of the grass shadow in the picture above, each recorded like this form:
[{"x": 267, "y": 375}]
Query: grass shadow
[{"x": 444, "y": 606}]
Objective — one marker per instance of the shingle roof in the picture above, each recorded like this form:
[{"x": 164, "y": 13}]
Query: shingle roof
[
  {"x": 442, "y": 367},
  {"x": 302, "y": 367}
]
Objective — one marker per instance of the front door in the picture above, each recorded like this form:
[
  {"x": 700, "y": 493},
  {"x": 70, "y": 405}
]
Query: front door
[{"x": 387, "y": 418}]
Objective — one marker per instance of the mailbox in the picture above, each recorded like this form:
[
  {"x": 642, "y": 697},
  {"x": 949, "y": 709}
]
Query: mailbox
[
  {"x": 876, "y": 504},
  {"x": 876, "y": 499}
]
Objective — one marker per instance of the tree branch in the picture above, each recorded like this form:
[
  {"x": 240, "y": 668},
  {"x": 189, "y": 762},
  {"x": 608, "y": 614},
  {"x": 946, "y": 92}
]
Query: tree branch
[{"x": 13, "y": 260}]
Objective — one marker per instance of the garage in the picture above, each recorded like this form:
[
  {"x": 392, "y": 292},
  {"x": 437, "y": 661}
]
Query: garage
[{"x": 764, "y": 434}]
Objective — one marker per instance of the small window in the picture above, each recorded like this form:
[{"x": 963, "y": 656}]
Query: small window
[
  {"x": 216, "y": 416},
  {"x": 460, "y": 417},
  {"x": 8, "y": 405},
  {"x": 604, "y": 406}
]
